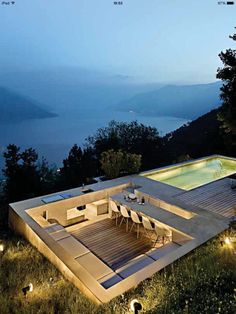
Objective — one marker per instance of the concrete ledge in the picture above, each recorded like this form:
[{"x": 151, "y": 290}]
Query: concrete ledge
[
  {"x": 73, "y": 246},
  {"x": 94, "y": 265},
  {"x": 53, "y": 228},
  {"x": 61, "y": 234}
]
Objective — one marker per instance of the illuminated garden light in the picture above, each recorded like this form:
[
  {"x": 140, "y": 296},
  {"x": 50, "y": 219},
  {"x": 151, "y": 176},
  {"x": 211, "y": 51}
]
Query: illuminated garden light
[
  {"x": 227, "y": 241},
  {"x": 135, "y": 306},
  {"x": 1, "y": 247},
  {"x": 28, "y": 288}
]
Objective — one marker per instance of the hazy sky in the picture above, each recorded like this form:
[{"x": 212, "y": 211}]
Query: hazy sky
[{"x": 153, "y": 40}]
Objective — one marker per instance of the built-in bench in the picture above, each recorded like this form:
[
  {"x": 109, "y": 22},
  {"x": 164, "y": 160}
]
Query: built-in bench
[
  {"x": 73, "y": 216},
  {"x": 94, "y": 265},
  {"x": 53, "y": 228},
  {"x": 73, "y": 246},
  {"x": 110, "y": 280},
  {"x": 41, "y": 220},
  {"x": 99, "y": 207},
  {"x": 61, "y": 234},
  {"x": 134, "y": 265},
  {"x": 162, "y": 251}
]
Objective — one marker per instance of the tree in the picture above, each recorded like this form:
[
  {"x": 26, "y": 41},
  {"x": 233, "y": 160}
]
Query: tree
[
  {"x": 48, "y": 177},
  {"x": 25, "y": 177},
  {"x": 79, "y": 167},
  {"x": 132, "y": 137},
  {"x": 112, "y": 162},
  {"x": 116, "y": 163},
  {"x": 132, "y": 163},
  {"x": 227, "y": 114}
]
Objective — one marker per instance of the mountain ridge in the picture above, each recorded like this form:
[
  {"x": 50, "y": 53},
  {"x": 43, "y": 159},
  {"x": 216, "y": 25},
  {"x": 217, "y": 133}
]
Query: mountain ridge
[
  {"x": 15, "y": 108},
  {"x": 183, "y": 101}
]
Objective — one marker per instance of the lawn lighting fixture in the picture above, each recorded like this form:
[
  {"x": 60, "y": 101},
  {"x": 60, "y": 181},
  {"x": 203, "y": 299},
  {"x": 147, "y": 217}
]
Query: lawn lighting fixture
[
  {"x": 227, "y": 241},
  {"x": 28, "y": 288},
  {"x": 1, "y": 247},
  {"x": 135, "y": 306}
]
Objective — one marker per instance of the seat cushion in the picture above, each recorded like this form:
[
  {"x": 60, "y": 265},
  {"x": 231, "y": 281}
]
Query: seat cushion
[
  {"x": 94, "y": 265},
  {"x": 109, "y": 280},
  {"x": 134, "y": 265},
  {"x": 162, "y": 251},
  {"x": 73, "y": 246}
]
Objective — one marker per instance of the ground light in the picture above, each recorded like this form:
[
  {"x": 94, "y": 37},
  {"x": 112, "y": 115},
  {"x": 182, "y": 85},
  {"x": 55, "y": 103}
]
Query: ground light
[
  {"x": 1, "y": 247},
  {"x": 28, "y": 288},
  {"x": 227, "y": 241},
  {"x": 135, "y": 306}
]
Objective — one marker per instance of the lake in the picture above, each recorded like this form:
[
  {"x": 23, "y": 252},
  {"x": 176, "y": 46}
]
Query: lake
[{"x": 52, "y": 138}]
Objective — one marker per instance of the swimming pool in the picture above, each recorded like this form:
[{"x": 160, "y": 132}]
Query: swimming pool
[{"x": 190, "y": 175}]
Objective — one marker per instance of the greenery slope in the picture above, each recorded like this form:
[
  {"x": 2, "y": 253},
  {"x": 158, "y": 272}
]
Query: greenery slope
[
  {"x": 202, "y": 282},
  {"x": 200, "y": 138}
]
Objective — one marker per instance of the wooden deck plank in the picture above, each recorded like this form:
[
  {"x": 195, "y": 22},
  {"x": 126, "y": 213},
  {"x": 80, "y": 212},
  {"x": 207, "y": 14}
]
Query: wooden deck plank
[
  {"x": 112, "y": 243},
  {"x": 217, "y": 197}
]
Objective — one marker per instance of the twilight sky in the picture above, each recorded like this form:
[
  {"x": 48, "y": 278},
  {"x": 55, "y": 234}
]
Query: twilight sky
[{"x": 150, "y": 40}]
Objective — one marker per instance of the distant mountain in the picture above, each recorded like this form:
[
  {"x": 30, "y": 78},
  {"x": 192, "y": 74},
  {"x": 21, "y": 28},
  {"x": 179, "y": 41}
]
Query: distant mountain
[
  {"x": 15, "y": 108},
  {"x": 73, "y": 88},
  {"x": 189, "y": 101}
]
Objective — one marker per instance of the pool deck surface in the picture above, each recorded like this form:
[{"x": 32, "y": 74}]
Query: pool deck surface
[
  {"x": 104, "y": 261},
  {"x": 217, "y": 197}
]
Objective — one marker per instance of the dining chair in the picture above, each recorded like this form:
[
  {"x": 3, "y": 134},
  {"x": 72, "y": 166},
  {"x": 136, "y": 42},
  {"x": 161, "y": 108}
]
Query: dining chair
[
  {"x": 168, "y": 234},
  {"x": 148, "y": 227},
  {"x": 136, "y": 222},
  {"x": 125, "y": 216},
  {"x": 115, "y": 210},
  {"x": 160, "y": 233}
]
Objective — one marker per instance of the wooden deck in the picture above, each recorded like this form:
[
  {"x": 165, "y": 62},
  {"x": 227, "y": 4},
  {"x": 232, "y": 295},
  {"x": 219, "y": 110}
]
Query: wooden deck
[
  {"x": 111, "y": 243},
  {"x": 217, "y": 197}
]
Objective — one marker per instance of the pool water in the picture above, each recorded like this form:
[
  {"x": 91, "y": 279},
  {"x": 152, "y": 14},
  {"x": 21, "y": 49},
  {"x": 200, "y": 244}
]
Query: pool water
[{"x": 194, "y": 174}]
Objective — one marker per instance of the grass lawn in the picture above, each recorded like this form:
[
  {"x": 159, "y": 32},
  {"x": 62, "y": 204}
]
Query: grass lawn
[{"x": 202, "y": 282}]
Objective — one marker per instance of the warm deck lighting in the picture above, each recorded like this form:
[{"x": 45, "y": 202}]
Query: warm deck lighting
[
  {"x": 1, "y": 247},
  {"x": 28, "y": 288},
  {"x": 135, "y": 306}
]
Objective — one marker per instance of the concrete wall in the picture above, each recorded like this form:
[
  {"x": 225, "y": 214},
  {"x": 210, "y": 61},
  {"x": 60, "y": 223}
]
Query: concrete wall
[
  {"x": 58, "y": 210},
  {"x": 18, "y": 225},
  {"x": 165, "y": 205}
]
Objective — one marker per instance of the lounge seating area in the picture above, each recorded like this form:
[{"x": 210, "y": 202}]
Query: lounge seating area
[
  {"x": 120, "y": 250},
  {"x": 109, "y": 259},
  {"x": 110, "y": 239}
]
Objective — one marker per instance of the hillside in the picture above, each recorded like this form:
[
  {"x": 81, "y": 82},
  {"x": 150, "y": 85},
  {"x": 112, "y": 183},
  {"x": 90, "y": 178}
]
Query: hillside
[
  {"x": 188, "y": 102},
  {"x": 16, "y": 108},
  {"x": 200, "y": 138}
]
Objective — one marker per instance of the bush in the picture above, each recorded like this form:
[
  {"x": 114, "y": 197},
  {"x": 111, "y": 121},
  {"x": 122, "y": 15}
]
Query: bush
[{"x": 114, "y": 163}]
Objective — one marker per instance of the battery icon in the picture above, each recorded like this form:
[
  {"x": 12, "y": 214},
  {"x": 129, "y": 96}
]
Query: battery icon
[{"x": 230, "y": 2}]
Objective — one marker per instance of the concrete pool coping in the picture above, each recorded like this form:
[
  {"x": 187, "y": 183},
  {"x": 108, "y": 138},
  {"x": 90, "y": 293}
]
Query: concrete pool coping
[{"x": 186, "y": 163}]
